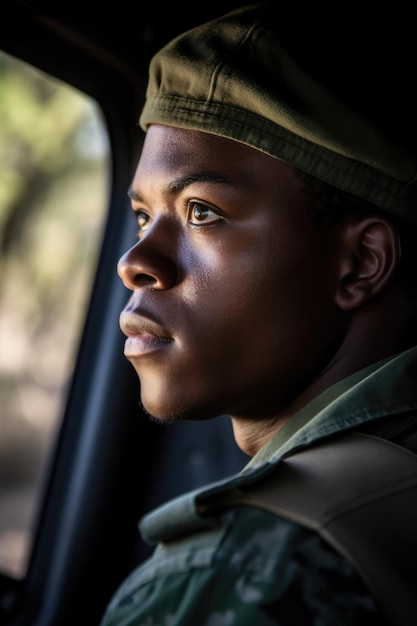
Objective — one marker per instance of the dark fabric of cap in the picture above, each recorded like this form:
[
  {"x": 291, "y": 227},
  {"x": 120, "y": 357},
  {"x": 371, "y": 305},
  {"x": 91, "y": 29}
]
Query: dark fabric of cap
[{"x": 337, "y": 104}]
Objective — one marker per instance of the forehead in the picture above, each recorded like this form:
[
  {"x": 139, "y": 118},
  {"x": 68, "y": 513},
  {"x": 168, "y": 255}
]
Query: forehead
[
  {"x": 182, "y": 141},
  {"x": 177, "y": 152}
]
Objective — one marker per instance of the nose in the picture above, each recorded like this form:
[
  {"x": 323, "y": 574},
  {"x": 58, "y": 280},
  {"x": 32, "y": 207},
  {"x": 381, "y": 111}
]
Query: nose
[{"x": 152, "y": 261}]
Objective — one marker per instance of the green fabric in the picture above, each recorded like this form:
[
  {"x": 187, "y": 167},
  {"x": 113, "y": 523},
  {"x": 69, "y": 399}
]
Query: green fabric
[
  {"x": 257, "y": 569},
  {"x": 244, "y": 77}
]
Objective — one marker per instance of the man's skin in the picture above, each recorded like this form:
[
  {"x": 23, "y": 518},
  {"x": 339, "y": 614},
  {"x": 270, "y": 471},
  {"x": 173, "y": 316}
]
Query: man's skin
[{"x": 240, "y": 304}]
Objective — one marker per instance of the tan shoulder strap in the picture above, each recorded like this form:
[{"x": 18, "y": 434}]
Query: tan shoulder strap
[{"x": 358, "y": 492}]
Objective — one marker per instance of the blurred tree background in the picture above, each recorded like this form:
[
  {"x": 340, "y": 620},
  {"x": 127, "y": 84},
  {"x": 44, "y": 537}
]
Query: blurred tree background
[{"x": 54, "y": 164}]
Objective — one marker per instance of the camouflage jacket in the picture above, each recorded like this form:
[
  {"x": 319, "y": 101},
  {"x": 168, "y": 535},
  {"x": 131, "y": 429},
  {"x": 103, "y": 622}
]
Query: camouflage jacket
[{"x": 251, "y": 568}]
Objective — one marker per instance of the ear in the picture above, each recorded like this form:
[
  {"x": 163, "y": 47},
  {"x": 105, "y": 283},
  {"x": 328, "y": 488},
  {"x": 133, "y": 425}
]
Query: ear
[{"x": 370, "y": 258}]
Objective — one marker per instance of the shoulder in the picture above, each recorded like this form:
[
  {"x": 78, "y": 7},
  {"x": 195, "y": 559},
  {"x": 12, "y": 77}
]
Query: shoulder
[{"x": 254, "y": 568}]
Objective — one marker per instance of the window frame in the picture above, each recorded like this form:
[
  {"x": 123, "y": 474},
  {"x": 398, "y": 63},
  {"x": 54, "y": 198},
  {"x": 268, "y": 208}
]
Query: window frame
[{"x": 93, "y": 467}]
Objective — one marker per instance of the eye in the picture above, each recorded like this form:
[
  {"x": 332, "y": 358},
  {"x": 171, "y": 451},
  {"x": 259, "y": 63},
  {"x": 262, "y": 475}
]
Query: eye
[
  {"x": 142, "y": 220},
  {"x": 201, "y": 215}
]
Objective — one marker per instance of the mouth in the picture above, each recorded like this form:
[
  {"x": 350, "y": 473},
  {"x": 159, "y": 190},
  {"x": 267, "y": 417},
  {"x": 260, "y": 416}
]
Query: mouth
[{"x": 144, "y": 335}]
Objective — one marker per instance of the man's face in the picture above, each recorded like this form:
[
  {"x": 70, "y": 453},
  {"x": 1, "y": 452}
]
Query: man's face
[{"x": 232, "y": 308}]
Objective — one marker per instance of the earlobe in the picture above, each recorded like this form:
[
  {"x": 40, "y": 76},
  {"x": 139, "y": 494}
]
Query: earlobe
[{"x": 369, "y": 261}]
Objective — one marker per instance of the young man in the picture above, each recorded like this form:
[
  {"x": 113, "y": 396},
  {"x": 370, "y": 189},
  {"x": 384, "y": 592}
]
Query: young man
[{"x": 272, "y": 281}]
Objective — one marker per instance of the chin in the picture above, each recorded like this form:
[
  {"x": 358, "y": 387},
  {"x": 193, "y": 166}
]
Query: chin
[
  {"x": 164, "y": 412},
  {"x": 169, "y": 413}
]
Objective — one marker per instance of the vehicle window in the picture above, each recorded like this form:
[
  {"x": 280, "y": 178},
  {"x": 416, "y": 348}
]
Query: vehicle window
[{"x": 54, "y": 173}]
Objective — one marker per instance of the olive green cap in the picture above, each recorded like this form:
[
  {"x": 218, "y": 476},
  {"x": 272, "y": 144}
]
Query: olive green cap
[{"x": 340, "y": 108}]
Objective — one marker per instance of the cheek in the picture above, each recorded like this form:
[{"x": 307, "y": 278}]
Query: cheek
[
  {"x": 258, "y": 299},
  {"x": 279, "y": 312}
]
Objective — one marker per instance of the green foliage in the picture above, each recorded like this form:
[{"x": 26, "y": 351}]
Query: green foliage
[{"x": 53, "y": 197}]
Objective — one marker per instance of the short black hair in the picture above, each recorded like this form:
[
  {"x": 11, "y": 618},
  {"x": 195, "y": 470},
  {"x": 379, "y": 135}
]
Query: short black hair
[{"x": 329, "y": 205}]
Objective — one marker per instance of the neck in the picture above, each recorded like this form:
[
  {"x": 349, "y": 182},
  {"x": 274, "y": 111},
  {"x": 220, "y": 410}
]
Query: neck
[{"x": 365, "y": 343}]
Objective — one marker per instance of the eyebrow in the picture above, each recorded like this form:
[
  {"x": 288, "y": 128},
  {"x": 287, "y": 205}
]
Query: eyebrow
[
  {"x": 181, "y": 183},
  {"x": 199, "y": 177}
]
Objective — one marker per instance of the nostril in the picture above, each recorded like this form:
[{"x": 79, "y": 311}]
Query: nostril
[{"x": 144, "y": 280}]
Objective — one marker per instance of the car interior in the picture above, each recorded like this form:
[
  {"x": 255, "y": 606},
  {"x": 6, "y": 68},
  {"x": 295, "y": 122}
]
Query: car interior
[{"x": 87, "y": 462}]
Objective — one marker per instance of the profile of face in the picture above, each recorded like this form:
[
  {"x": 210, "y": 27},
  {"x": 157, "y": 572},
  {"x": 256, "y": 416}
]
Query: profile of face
[{"x": 232, "y": 308}]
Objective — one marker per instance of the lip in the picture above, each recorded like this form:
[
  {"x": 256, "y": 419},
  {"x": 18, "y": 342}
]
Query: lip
[{"x": 144, "y": 335}]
